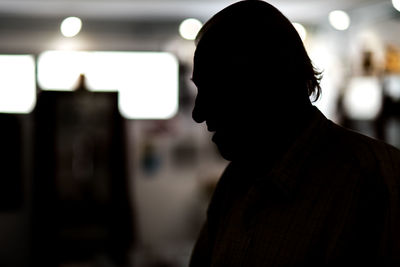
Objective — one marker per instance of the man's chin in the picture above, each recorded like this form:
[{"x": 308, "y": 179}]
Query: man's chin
[
  {"x": 225, "y": 148},
  {"x": 226, "y": 154}
]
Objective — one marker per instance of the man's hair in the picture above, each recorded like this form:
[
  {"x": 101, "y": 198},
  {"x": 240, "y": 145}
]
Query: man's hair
[{"x": 260, "y": 33}]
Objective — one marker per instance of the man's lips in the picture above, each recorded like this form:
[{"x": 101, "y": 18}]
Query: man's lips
[{"x": 211, "y": 126}]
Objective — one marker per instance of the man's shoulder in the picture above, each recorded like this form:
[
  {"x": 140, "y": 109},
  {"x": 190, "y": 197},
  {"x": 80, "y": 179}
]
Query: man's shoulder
[
  {"x": 363, "y": 150},
  {"x": 360, "y": 142}
]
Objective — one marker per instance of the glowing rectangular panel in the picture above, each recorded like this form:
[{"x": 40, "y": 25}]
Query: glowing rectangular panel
[
  {"x": 147, "y": 82},
  {"x": 17, "y": 83},
  {"x": 152, "y": 89},
  {"x": 60, "y": 70}
]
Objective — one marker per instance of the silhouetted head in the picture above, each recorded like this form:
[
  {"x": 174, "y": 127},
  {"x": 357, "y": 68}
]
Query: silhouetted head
[{"x": 253, "y": 75}]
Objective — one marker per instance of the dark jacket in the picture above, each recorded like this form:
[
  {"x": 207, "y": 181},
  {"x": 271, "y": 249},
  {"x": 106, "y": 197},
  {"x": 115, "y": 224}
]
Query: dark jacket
[{"x": 332, "y": 200}]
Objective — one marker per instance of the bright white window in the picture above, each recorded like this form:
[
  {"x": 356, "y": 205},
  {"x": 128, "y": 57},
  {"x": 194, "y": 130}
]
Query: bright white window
[
  {"x": 60, "y": 70},
  {"x": 17, "y": 84},
  {"x": 147, "y": 82},
  {"x": 150, "y": 87}
]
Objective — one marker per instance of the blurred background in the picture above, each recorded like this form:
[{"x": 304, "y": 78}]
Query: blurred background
[{"x": 101, "y": 163}]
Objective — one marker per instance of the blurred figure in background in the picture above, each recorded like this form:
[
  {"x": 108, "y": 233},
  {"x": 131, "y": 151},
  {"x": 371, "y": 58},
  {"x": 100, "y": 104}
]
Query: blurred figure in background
[{"x": 300, "y": 190}]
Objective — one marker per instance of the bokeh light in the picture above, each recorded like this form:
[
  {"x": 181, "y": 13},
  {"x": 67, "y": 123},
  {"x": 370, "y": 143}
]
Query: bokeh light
[
  {"x": 396, "y": 4},
  {"x": 71, "y": 26},
  {"x": 189, "y": 28},
  {"x": 339, "y": 20}
]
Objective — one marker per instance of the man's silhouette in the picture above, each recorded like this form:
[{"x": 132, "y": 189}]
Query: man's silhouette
[{"x": 300, "y": 190}]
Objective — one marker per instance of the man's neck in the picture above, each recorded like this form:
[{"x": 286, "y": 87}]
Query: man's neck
[{"x": 270, "y": 145}]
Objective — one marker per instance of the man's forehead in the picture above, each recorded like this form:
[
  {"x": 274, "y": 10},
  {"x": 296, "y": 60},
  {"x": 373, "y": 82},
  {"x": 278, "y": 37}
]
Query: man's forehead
[{"x": 226, "y": 63}]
